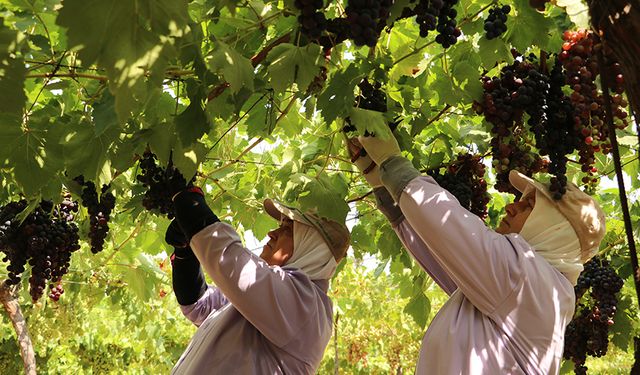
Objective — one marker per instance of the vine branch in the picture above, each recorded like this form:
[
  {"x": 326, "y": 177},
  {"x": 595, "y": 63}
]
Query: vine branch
[
  {"x": 604, "y": 80},
  {"x": 9, "y": 301}
]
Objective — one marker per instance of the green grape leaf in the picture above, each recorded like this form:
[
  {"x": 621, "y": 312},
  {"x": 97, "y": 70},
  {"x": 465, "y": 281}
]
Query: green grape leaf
[
  {"x": 86, "y": 153},
  {"x": 337, "y": 99},
  {"x": 104, "y": 114},
  {"x": 131, "y": 40},
  {"x": 419, "y": 307},
  {"x": 235, "y": 68},
  {"x": 370, "y": 121},
  {"x": 12, "y": 71},
  {"x": 291, "y": 64}
]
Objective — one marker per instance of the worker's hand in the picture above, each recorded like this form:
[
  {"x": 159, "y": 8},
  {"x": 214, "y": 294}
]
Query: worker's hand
[
  {"x": 192, "y": 212},
  {"x": 368, "y": 168},
  {"x": 380, "y": 150},
  {"x": 174, "y": 236}
]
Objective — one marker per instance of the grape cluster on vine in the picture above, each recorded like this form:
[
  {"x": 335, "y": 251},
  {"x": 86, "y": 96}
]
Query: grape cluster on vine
[
  {"x": 521, "y": 87},
  {"x": 438, "y": 15},
  {"x": 581, "y": 70},
  {"x": 588, "y": 332},
  {"x": 161, "y": 184},
  {"x": 496, "y": 23},
  {"x": 312, "y": 20},
  {"x": 43, "y": 240},
  {"x": 99, "y": 209},
  {"x": 366, "y": 18},
  {"x": 464, "y": 178}
]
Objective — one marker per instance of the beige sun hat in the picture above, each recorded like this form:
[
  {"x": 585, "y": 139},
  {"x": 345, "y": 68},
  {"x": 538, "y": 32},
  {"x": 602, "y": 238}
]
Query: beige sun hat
[
  {"x": 336, "y": 235},
  {"x": 582, "y": 211}
]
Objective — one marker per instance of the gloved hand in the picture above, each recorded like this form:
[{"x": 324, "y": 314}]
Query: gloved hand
[
  {"x": 174, "y": 236},
  {"x": 380, "y": 150},
  {"x": 368, "y": 168},
  {"x": 192, "y": 212}
]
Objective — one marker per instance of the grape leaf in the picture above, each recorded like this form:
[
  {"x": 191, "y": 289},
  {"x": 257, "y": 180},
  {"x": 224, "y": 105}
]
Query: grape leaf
[
  {"x": 337, "y": 99},
  {"x": 292, "y": 64},
  {"x": 419, "y": 307},
  {"x": 235, "y": 68},
  {"x": 115, "y": 35},
  {"x": 369, "y": 121},
  {"x": 12, "y": 71}
]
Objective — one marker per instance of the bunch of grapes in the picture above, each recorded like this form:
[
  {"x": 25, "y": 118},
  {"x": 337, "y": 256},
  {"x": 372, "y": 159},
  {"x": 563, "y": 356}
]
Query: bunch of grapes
[
  {"x": 42, "y": 240},
  {"x": 521, "y": 88},
  {"x": 581, "y": 66},
  {"x": 464, "y": 178},
  {"x": 99, "y": 208},
  {"x": 161, "y": 184},
  {"x": 495, "y": 24},
  {"x": 366, "y": 18},
  {"x": 448, "y": 31},
  {"x": 312, "y": 20},
  {"x": 588, "y": 332},
  {"x": 437, "y": 15}
]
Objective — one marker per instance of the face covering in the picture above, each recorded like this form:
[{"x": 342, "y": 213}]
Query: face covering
[
  {"x": 311, "y": 253},
  {"x": 552, "y": 237}
]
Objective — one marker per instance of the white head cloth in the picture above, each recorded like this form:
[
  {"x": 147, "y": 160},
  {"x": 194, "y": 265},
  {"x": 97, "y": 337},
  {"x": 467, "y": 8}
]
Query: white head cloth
[
  {"x": 311, "y": 253},
  {"x": 552, "y": 236}
]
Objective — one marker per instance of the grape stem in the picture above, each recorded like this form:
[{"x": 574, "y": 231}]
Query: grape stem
[{"x": 604, "y": 80}]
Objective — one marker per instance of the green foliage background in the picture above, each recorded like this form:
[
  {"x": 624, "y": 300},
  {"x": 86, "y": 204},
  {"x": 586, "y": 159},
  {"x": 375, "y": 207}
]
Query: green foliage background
[{"x": 87, "y": 86}]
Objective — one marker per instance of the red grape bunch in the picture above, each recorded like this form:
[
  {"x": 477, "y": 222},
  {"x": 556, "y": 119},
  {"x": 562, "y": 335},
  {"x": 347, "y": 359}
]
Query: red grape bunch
[
  {"x": 464, "y": 178},
  {"x": 582, "y": 70},
  {"x": 371, "y": 97},
  {"x": 99, "y": 208},
  {"x": 312, "y": 20},
  {"x": 161, "y": 184},
  {"x": 588, "y": 332},
  {"x": 42, "y": 240}
]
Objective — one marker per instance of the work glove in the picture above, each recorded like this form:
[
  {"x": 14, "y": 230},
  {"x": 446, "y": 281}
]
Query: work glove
[
  {"x": 379, "y": 149},
  {"x": 192, "y": 212},
  {"x": 369, "y": 169},
  {"x": 187, "y": 277}
]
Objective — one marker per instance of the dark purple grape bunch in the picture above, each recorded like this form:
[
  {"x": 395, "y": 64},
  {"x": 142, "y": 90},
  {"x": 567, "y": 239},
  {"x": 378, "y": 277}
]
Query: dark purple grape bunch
[
  {"x": 447, "y": 27},
  {"x": 312, "y": 20},
  {"x": 366, "y": 19},
  {"x": 42, "y": 240},
  {"x": 496, "y": 23},
  {"x": 464, "y": 179},
  {"x": 99, "y": 208},
  {"x": 588, "y": 332},
  {"x": 161, "y": 184}
]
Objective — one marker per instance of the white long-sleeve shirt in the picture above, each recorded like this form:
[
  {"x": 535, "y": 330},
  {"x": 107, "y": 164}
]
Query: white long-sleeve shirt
[
  {"x": 508, "y": 306},
  {"x": 260, "y": 319}
]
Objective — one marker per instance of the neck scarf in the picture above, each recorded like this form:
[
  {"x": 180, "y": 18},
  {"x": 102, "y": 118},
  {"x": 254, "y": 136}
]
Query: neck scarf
[
  {"x": 552, "y": 237},
  {"x": 311, "y": 253}
]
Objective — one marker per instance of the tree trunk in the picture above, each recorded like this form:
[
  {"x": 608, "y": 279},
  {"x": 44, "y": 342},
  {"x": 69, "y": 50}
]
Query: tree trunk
[
  {"x": 10, "y": 303},
  {"x": 618, "y": 23}
]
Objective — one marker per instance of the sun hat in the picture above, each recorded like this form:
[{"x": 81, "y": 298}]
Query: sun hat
[
  {"x": 581, "y": 210},
  {"x": 336, "y": 235}
]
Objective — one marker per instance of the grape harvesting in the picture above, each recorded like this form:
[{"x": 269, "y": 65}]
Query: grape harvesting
[{"x": 134, "y": 132}]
